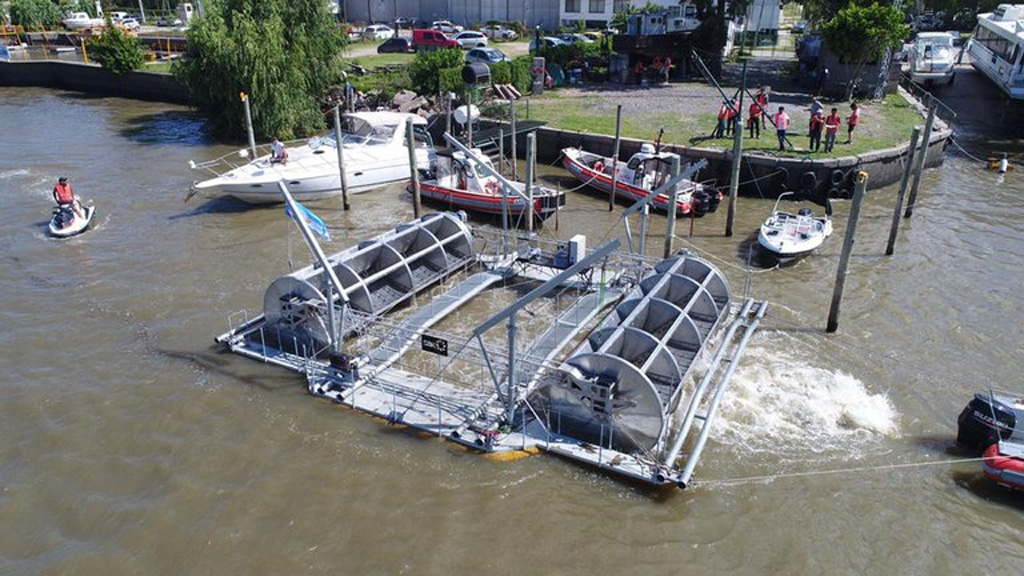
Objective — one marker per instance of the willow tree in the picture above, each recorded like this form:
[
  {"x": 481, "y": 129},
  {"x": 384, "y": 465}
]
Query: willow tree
[{"x": 282, "y": 53}]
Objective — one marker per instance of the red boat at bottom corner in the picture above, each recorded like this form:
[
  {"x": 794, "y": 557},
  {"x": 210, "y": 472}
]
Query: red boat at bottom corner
[
  {"x": 638, "y": 178},
  {"x": 460, "y": 183},
  {"x": 994, "y": 422}
]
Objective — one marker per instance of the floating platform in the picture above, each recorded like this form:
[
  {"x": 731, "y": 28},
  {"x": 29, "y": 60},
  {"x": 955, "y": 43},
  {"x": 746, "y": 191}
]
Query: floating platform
[{"x": 611, "y": 359}]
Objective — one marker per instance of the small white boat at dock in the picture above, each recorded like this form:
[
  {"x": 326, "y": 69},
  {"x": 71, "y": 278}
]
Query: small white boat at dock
[
  {"x": 931, "y": 58},
  {"x": 788, "y": 236},
  {"x": 374, "y": 150}
]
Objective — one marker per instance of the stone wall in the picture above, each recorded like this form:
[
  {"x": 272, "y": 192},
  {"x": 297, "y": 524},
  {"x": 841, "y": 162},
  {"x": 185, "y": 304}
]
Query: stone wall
[
  {"x": 760, "y": 175},
  {"x": 94, "y": 80}
]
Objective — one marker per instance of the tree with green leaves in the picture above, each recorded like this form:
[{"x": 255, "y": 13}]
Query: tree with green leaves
[
  {"x": 862, "y": 34},
  {"x": 436, "y": 70},
  {"x": 282, "y": 53},
  {"x": 116, "y": 50},
  {"x": 35, "y": 14}
]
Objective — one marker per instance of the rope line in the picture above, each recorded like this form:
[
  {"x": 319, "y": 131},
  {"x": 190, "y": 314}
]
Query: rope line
[
  {"x": 966, "y": 153},
  {"x": 771, "y": 477}
]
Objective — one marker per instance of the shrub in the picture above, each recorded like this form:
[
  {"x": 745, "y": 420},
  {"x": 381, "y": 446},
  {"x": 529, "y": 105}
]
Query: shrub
[
  {"x": 430, "y": 71},
  {"x": 116, "y": 51}
]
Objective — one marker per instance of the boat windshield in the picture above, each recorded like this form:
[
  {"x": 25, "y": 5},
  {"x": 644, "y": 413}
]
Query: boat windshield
[
  {"x": 936, "y": 49},
  {"x": 359, "y": 132}
]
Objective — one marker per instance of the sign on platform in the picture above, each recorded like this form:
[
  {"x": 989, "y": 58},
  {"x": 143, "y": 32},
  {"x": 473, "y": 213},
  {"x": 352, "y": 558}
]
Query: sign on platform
[{"x": 434, "y": 345}]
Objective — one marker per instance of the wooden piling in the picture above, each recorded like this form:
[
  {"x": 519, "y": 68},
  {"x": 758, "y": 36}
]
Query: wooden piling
[
  {"x": 531, "y": 154},
  {"x": 411, "y": 144},
  {"x": 670, "y": 227},
  {"x": 248, "y": 124},
  {"x": 737, "y": 156},
  {"x": 615, "y": 157},
  {"x": 923, "y": 155},
  {"x": 890, "y": 247},
  {"x": 860, "y": 185},
  {"x": 341, "y": 156}
]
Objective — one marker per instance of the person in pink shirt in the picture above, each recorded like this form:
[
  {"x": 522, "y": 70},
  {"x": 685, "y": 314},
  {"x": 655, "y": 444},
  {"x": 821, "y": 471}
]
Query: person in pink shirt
[
  {"x": 852, "y": 122},
  {"x": 781, "y": 125}
]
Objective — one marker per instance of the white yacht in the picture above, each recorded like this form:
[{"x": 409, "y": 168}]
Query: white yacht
[
  {"x": 931, "y": 58},
  {"x": 996, "y": 46},
  {"x": 374, "y": 151}
]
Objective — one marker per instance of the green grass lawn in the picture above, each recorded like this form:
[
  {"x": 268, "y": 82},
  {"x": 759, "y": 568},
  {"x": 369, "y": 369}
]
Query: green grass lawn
[
  {"x": 160, "y": 67},
  {"x": 382, "y": 60},
  {"x": 883, "y": 124}
]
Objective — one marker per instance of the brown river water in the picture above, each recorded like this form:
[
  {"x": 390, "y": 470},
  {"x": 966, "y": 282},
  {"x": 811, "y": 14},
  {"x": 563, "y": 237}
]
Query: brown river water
[{"x": 129, "y": 444}]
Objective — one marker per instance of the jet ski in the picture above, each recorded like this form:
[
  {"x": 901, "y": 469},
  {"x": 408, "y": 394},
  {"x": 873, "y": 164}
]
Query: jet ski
[{"x": 65, "y": 223}]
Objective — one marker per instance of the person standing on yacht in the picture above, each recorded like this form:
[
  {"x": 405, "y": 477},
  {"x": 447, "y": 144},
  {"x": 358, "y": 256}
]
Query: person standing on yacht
[{"x": 278, "y": 153}]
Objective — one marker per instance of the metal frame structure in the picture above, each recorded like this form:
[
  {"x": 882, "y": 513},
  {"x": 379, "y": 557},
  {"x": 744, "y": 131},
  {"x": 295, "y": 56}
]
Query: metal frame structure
[{"x": 609, "y": 382}]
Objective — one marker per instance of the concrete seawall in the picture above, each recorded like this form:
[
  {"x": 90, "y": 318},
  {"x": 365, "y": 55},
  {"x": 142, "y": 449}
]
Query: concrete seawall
[{"x": 94, "y": 80}]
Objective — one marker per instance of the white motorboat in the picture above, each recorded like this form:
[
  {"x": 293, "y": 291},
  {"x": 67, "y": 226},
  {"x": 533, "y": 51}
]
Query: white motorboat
[
  {"x": 637, "y": 179},
  {"x": 997, "y": 45},
  {"x": 374, "y": 151},
  {"x": 931, "y": 58},
  {"x": 65, "y": 223},
  {"x": 788, "y": 236},
  {"x": 81, "y": 20}
]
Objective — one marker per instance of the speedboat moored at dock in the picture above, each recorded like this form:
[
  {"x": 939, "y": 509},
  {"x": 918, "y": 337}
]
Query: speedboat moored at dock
[
  {"x": 645, "y": 172},
  {"x": 788, "y": 236},
  {"x": 994, "y": 423},
  {"x": 375, "y": 154}
]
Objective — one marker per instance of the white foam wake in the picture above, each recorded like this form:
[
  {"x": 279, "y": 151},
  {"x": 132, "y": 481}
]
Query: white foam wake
[{"x": 780, "y": 403}]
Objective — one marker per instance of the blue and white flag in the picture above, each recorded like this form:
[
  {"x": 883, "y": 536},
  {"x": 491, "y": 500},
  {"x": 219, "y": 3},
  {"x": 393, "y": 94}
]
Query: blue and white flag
[{"x": 312, "y": 220}]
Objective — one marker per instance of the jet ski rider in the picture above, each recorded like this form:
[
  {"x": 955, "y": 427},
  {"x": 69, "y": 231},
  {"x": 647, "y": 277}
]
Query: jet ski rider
[{"x": 64, "y": 196}]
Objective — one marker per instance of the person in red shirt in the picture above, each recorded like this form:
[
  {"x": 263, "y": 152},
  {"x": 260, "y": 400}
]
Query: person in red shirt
[
  {"x": 817, "y": 123},
  {"x": 852, "y": 122},
  {"x": 723, "y": 113},
  {"x": 754, "y": 120},
  {"x": 831, "y": 129},
  {"x": 65, "y": 196},
  {"x": 730, "y": 116}
]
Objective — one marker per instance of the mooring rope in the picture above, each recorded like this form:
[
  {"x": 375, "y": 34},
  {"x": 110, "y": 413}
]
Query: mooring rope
[
  {"x": 966, "y": 153},
  {"x": 725, "y": 482}
]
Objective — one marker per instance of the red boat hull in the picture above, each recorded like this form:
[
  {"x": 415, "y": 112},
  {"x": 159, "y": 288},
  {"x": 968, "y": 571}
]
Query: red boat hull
[{"x": 1003, "y": 469}]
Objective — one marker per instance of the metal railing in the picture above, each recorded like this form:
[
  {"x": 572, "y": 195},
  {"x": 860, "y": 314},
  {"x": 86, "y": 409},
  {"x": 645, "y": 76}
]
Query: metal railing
[{"x": 944, "y": 112}]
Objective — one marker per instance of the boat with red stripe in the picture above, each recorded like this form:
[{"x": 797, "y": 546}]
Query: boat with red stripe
[
  {"x": 460, "y": 184},
  {"x": 994, "y": 422},
  {"x": 636, "y": 179}
]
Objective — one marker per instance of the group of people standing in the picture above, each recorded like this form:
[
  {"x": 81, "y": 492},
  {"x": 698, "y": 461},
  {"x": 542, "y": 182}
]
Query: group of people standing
[
  {"x": 657, "y": 72},
  {"x": 818, "y": 124}
]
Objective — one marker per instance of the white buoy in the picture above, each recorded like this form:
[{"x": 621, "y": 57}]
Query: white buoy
[{"x": 1003, "y": 165}]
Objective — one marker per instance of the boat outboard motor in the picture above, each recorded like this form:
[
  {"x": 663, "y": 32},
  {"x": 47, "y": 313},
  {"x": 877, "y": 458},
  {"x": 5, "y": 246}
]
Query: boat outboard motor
[
  {"x": 984, "y": 421},
  {"x": 804, "y": 212},
  {"x": 701, "y": 202}
]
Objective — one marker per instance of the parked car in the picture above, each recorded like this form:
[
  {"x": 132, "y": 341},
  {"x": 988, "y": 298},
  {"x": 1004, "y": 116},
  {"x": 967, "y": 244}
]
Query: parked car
[
  {"x": 378, "y": 32},
  {"x": 403, "y": 23},
  {"x": 117, "y": 16},
  {"x": 486, "y": 55},
  {"x": 800, "y": 27},
  {"x": 471, "y": 39},
  {"x": 129, "y": 23},
  {"x": 549, "y": 42},
  {"x": 430, "y": 39},
  {"x": 396, "y": 45},
  {"x": 572, "y": 38},
  {"x": 446, "y": 27},
  {"x": 499, "y": 33},
  {"x": 165, "y": 22}
]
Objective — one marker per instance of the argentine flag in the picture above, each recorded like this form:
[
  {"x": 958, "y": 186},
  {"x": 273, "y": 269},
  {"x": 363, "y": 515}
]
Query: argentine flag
[{"x": 312, "y": 220}]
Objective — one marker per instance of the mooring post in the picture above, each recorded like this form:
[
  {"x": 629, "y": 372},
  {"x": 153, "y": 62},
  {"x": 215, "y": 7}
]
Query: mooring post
[
  {"x": 448, "y": 116},
  {"x": 515, "y": 155},
  {"x": 469, "y": 116},
  {"x": 501, "y": 150},
  {"x": 248, "y": 124},
  {"x": 670, "y": 227},
  {"x": 615, "y": 157},
  {"x": 341, "y": 156},
  {"x": 510, "y": 406},
  {"x": 926, "y": 139},
  {"x": 531, "y": 153},
  {"x": 890, "y": 247},
  {"x": 411, "y": 144},
  {"x": 860, "y": 185},
  {"x": 737, "y": 157}
]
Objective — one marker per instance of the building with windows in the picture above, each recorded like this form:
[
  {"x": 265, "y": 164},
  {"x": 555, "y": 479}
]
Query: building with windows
[
  {"x": 599, "y": 13},
  {"x": 543, "y": 13}
]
